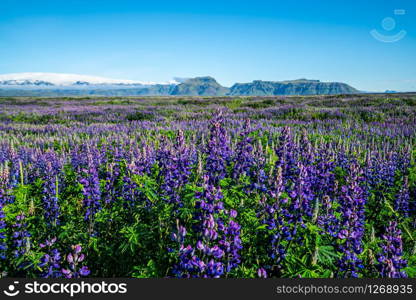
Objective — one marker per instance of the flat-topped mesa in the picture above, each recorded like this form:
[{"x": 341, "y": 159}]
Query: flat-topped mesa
[{"x": 290, "y": 87}]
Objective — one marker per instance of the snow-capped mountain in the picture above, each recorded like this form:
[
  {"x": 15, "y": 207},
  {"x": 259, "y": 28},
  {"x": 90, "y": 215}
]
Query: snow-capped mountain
[{"x": 66, "y": 80}]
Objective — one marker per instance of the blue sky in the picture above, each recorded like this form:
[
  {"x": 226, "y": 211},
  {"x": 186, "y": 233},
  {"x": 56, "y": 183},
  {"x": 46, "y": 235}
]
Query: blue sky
[{"x": 233, "y": 41}]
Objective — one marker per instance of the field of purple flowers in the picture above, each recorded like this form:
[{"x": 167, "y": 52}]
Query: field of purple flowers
[{"x": 318, "y": 186}]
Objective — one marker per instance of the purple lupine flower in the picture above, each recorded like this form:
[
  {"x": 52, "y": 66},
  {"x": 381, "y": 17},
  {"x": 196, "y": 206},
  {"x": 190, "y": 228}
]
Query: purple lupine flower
[
  {"x": 295, "y": 177},
  {"x": 218, "y": 150},
  {"x": 278, "y": 219},
  {"x": 113, "y": 159},
  {"x": 14, "y": 168},
  {"x": 76, "y": 268},
  {"x": 143, "y": 158},
  {"x": 4, "y": 177},
  {"x": 296, "y": 180},
  {"x": 49, "y": 167},
  {"x": 111, "y": 176},
  {"x": 302, "y": 194},
  {"x": 391, "y": 262},
  {"x": 86, "y": 159},
  {"x": 231, "y": 243},
  {"x": 324, "y": 188},
  {"x": 175, "y": 162},
  {"x": 9, "y": 175},
  {"x": 351, "y": 228},
  {"x": 91, "y": 187},
  {"x": 179, "y": 237},
  {"x": 287, "y": 155},
  {"x": 20, "y": 236},
  {"x": 216, "y": 250},
  {"x": 250, "y": 161},
  {"x": 401, "y": 203},
  {"x": 261, "y": 272},
  {"x": 327, "y": 219},
  {"x": 305, "y": 149},
  {"x": 381, "y": 172},
  {"x": 3, "y": 246},
  {"x": 243, "y": 157},
  {"x": 50, "y": 263}
]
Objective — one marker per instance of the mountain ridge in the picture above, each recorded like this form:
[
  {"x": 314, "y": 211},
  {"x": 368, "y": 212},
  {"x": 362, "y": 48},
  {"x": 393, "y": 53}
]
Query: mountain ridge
[
  {"x": 290, "y": 87},
  {"x": 53, "y": 84}
]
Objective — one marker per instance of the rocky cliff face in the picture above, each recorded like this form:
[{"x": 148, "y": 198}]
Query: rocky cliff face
[{"x": 294, "y": 87}]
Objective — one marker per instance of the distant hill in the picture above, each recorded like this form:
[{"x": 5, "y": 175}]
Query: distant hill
[
  {"x": 293, "y": 87},
  {"x": 199, "y": 86},
  {"x": 55, "y": 85}
]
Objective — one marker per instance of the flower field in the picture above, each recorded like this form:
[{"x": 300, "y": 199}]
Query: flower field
[{"x": 317, "y": 186}]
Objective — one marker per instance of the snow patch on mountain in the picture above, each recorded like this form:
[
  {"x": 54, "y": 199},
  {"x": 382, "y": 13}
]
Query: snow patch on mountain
[{"x": 62, "y": 79}]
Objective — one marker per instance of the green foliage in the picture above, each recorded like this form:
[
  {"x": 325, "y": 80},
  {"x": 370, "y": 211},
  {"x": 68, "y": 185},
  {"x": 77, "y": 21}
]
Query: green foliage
[{"x": 140, "y": 116}]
